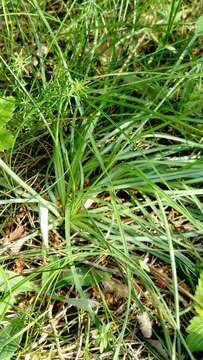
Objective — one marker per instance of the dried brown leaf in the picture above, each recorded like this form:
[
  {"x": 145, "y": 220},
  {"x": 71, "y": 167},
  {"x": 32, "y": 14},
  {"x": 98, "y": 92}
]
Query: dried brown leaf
[
  {"x": 17, "y": 233},
  {"x": 115, "y": 286},
  {"x": 18, "y": 266},
  {"x": 16, "y": 246}
]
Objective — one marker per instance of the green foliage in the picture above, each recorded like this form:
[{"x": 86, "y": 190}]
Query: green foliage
[
  {"x": 199, "y": 296},
  {"x": 10, "y": 340},
  {"x": 10, "y": 281},
  {"x": 11, "y": 285},
  {"x": 199, "y": 26},
  {"x": 195, "y": 329},
  {"x": 104, "y": 337},
  {"x": 195, "y": 336},
  {"x": 86, "y": 277},
  {"x": 84, "y": 304},
  {"x": 110, "y": 107},
  {"x": 6, "y": 110}
]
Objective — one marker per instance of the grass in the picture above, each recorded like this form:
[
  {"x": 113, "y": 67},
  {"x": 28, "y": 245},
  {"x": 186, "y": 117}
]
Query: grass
[{"x": 108, "y": 148}]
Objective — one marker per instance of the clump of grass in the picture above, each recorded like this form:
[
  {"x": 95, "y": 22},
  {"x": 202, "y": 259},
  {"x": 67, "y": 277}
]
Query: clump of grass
[{"x": 108, "y": 138}]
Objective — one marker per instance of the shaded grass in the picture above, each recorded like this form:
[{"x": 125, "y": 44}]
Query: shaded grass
[{"x": 109, "y": 98}]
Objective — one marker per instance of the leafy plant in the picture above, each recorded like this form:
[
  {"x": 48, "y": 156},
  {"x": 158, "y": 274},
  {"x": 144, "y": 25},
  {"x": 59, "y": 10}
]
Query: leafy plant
[
  {"x": 195, "y": 329},
  {"x": 109, "y": 100},
  {"x": 199, "y": 26},
  {"x": 6, "y": 110},
  {"x": 10, "y": 339},
  {"x": 85, "y": 276},
  {"x": 10, "y": 286},
  {"x": 104, "y": 337}
]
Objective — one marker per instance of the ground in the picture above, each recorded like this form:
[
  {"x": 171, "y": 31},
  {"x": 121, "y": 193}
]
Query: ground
[{"x": 100, "y": 178}]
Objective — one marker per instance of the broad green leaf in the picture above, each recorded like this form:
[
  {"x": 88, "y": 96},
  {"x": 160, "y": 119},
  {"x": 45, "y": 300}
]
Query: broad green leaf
[
  {"x": 199, "y": 26},
  {"x": 6, "y": 109},
  {"x": 50, "y": 275},
  {"x": 84, "y": 304},
  {"x": 6, "y": 139},
  {"x": 195, "y": 329},
  {"x": 199, "y": 296},
  {"x": 11, "y": 285},
  {"x": 195, "y": 336},
  {"x": 8, "y": 344},
  {"x": 86, "y": 277},
  {"x": 7, "y": 303},
  {"x": 10, "y": 282}
]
